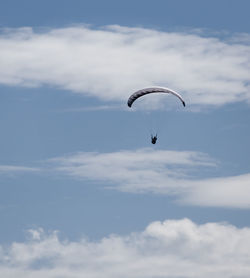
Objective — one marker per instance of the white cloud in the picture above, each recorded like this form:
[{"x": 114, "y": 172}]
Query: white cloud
[
  {"x": 174, "y": 248},
  {"x": 143, "y": 170},
  {"x": 231, "y": 191},
  {"x": 184, "y": 175},
  {"x": 94, "y": 108},
  {"x": 176, "y": 173},
  {"x": 11, "y": 169},
  {"x": 113, "y": 61}
]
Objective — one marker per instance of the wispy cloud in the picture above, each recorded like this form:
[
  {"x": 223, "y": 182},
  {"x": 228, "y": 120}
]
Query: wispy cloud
[
  {"x": 231, "y": 191},
  {"x": 143, "y": 170},
  {"x": 95, "y": 108},
  {"x": 111, "y": 62},
  {"x": 12, "y": 169},
  {"x": 173, "y": 248},
  {"x": 181, "y": 174},
  {"x": 191, "y": 178}
]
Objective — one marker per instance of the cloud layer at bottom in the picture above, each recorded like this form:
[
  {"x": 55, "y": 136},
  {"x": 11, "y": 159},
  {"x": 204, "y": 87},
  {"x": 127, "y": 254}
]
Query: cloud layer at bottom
[{"x": 174, "y": 248}]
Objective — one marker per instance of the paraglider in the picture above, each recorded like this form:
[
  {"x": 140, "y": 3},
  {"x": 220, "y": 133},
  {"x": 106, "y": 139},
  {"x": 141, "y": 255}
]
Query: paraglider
[{"x": 151, "y": 90}]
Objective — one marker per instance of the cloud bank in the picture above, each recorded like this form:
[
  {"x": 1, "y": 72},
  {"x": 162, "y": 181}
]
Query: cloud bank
[
  {"x": 111, "y": 62},
  {"x": 173, "y": 248},
  {"x": 184, "y": 175}
]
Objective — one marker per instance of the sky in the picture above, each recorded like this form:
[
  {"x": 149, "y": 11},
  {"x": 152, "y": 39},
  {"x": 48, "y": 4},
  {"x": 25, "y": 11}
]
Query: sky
[{"x": 83, "y": 192}]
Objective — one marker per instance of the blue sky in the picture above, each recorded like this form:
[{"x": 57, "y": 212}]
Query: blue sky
[{"x": 83, "y": 193}]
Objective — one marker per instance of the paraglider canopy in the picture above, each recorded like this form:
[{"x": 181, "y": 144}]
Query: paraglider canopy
[{"x": 151, "y": 90}]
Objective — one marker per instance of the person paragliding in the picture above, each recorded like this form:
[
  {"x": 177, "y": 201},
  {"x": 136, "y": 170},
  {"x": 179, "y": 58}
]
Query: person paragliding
[
  {"x": 151, "y": 90},
  {"x": 153, "y": 139}
]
